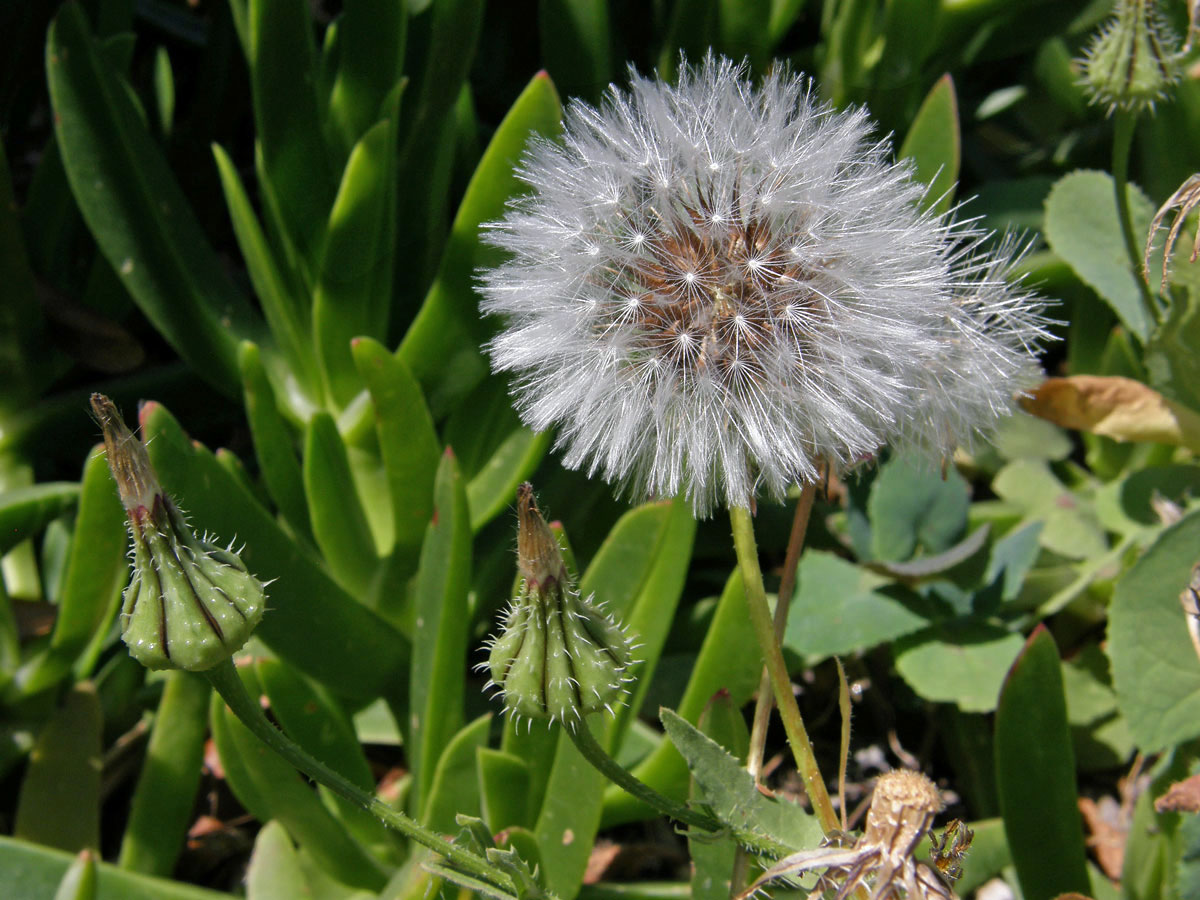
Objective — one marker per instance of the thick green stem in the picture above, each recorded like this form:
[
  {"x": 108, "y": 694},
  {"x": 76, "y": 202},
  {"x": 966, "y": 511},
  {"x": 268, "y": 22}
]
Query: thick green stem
[
  {"x": 226, "y": 681},
  {"x": 620, "y": 776},
  {"x": 1123, "y": 128},
  {"x": 764, "y": 629}
]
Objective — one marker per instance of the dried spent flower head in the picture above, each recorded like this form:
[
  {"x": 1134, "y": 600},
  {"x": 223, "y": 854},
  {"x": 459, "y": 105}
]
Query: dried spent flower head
[
  {"x": 713, "y": 288},
  {"x": 190, "y": 603},
  {"x": 558, "y": 656},
  {"x": 881, "y": 860},
  {"x": 1134, "y": 60}
]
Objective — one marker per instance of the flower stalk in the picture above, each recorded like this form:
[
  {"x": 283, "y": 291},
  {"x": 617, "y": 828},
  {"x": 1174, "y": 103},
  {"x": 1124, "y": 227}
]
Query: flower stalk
[
  {"x": 1124, "y": 125},
  {"x": 781, "y": 684},
  {"x": 226, "y": 682}
]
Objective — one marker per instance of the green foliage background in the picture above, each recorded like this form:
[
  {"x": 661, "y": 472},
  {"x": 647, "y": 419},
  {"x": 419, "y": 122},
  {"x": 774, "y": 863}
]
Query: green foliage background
[{"x": 263, "y": 217}]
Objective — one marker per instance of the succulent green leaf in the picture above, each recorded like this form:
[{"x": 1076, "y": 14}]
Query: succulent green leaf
[
  {"x": 455, "y": 789},
  {"x": 1082, "y": 227},
  {"x": 653, "y": 609},
  {"x": 79, "y": 882},
  {"x": 315, "y": 721},
  {"x": 408, "y": 442},
  {"x": 274, "y": 872},
  {"x": 439, "y": 657},
  {"x": 1155, "y": 668},
  {"x": 441, "y": 347},
  {"x": 729, "y": 660},
  {"x": 354, "y": 281},
  {"x": 21, "y": 322},
  {"x": 281, "y": 293},
  {"x": 271, "y": 789},
  {"x": 59, "y": 801},
  {"x": 934, "y": 145},
  {"x": 161, "y": 811},
  {"x": 1036, "y": 777},
  {"x": 274, "y": 444},
  {"x": 135, "y": 209},
  {"x": 283, "y": 69},
  {"x": 312, "y": 622},
  {"x": 776, "y": 826},
  {"x": 570, "y": 813},
  {"x": 961, "y": 662},
  {"x": 504, "y": 780},
  {"x": 912, "y": 506},
  {"x": 840, "y": 608},
  {"x": 339, "y": 523},
  {"x": 25, "y": 511},
  {"x": 576, "y": 44},
  {"x": 34, "y": 872},
  {"x": 371, "y": 42}
]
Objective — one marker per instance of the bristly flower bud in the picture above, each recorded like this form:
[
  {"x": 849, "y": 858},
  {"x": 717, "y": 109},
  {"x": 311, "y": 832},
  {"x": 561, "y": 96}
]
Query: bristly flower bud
[
  {"x": 1134, "y": 60},
  {"x": 190, "y": 604},
  {"x": 558, "y": 656}
]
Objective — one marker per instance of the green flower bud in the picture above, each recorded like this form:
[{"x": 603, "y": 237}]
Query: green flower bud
[
  {"x": 1134, "y": 60},
  {"x": 190, "y": 603},
  {"x": 558, "y": 656}
]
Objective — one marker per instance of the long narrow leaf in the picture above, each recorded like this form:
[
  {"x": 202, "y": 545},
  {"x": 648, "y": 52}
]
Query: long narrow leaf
[{"x": 135, "y": 209}]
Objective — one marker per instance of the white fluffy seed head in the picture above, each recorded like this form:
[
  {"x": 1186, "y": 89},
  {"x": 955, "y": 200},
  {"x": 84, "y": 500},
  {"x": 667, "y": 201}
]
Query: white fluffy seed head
[{"x": 713, "y": 288}]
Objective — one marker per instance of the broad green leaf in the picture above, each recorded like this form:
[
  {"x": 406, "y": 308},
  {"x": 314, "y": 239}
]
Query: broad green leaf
[
  {"x": 284, "y": 301},
  {"x": 137, "y": 212},
  {"x": 1155, "y": 669},
  {"x": 274, "y": 872},
  {"x": 840, "y": 608},
  {"x": 1082, "y": 227},
  {"x": 729, "y": 661},
  {"x": 911, "y": 506},
  {"x": 775, "y": 826},
  {"x": 283, "y": 68},
  {"x": 354, "y": 281},
  {"x": 441, "y": 347},
  {"x": 1070, "y": 526},
  {"x": 408, "y": 442},
  {"x": 33, "y": 872},
  {"x": 576, "y": 44},
  {"x": 371, "y": 37},
  {"x": 271, "y": 789},
  {"x": 1035, "y": 773},
  {"x": 934, "y": 145},
  {"x": 440, "y": 633},
  {"x": 161, "y": 810},
  {"x": 960, "y": 662},
  {"x": 79, "y": 882},
  {"x": 314, "y": 720},
  {"x": 274, "y": 444},
  {"x": 338, "y": 522},
  {"x": 987, "y": 857},
  {"x": 712, "y": 857},
  {"x": 311, "y": 622},
  {"x": 1101, "y": 736},
  {"x": 503, "y": 788},
  {"x": 25, "y": 511},
  {"x": 59, "y": 801},
  {"x": 455, "y": 790}
]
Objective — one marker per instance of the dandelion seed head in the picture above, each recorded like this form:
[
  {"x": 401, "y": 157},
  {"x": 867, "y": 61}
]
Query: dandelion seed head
[{"x": 756, "y": 293}]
